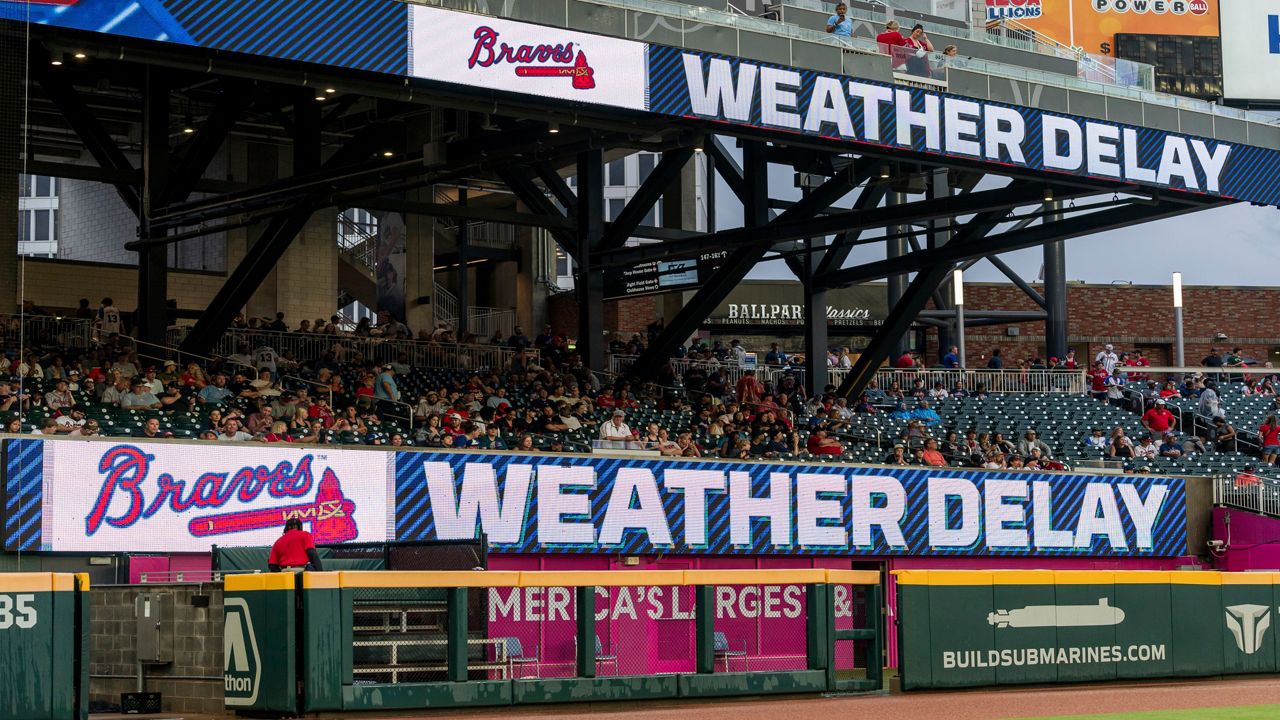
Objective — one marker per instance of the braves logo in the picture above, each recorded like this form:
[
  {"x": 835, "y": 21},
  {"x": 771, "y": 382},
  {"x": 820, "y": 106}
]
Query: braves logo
[
  {"x": 488, "y": 52},
  {"x": 127, "y": 468}
]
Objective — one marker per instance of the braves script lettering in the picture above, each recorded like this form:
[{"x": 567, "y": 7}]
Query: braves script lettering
[
  {"x": 489, "y": 52},
  {"x": 126, "y": 470}
]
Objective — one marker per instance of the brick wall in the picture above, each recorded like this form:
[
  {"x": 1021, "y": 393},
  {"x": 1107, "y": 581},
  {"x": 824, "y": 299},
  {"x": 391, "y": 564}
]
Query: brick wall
[
  {"x": 631, "y": 315},
  {"x": 197, "y": 648},
  {"x": 59, "y": 284},
  {"x": 1130, "y": 316}
]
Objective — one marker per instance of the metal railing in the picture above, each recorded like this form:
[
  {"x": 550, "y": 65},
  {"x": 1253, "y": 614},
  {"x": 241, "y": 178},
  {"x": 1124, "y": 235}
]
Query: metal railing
[
  {"x": 446, "y": 305},
  {"x": 992, "y": 381},
  {"x": 485, "y": 321},
  {"x": 36, "y": 330},
  {"x": 1248, "y": 491},
  {"x": 420, "y": 354}
]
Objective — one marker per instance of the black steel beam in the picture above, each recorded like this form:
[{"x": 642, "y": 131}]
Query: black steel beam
[
  {"x": 1055, "y": 296},
  {"x": 95, "y": 138},
  {"x": 475, "y": 254},
  {"x": 193, "y": 159},
  {"x": 267, "y": 251},
  {"x": 589, "y": 280},
  {"x": 1087, "y": 224},
  {"x": 896, "y": 324},
  {"x": 666, "y": 171},
  {"x": 1017, "y": 280},
  {"x": 726, "y": 167},
  {"x": 1014, "y": 195},
  {"x": 538, "y": 203},
  {"x": 558, "y": 188},
  {"x": 470, "y": 212},
  {"x": 755, "y": 213},
  {"x": 151, "y": 317}
]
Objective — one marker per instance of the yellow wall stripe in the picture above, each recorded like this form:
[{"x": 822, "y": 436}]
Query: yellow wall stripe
[
  {"x": 321, "y": 580},
  {"x": 261, "y": 581},
  {"x": 428, "y": 579},
  {"x": 853, "y": 577},
  {"x": 33, "y": 582},
  {"x": 1081, "y": 577}
]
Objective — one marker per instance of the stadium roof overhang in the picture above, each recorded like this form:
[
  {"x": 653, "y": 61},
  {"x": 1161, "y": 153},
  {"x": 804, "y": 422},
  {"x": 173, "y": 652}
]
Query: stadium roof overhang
[{"x": 120, "y": 115}]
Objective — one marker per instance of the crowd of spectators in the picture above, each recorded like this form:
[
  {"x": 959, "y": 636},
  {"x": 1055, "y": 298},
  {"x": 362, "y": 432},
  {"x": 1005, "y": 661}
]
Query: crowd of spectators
[
  {"x": 910, "y": 52},
  {"x": 545, "y": 399}
]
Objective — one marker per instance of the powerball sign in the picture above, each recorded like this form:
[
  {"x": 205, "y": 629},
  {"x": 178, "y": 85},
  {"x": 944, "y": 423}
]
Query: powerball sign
[
  {"x": 518, "y": 57},
  {"x": 159, "y": 497}
]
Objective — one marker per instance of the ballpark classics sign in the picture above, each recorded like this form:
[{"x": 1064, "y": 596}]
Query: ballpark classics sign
[{"x": 87, "y": 496}]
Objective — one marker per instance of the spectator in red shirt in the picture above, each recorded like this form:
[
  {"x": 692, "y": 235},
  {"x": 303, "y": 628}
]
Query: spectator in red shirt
[
  {"x": 1269, "y": 433},
  {"x": 1169, "y": 390},
  {"x": 890, "y": 38},
  {"x": 294, "y": 550},
  {"x": 931, "y": 455},
  {"x": 1158, "y": 419},
  {"x": 905, "y": 362},
  {"x": 1070, "y": 362},
  {"x": 1138, "y": 359},
  {"x": 749, "y": 389},
  {"x": 1098, "y": 381},
  {"x": 820, "y": 444}
]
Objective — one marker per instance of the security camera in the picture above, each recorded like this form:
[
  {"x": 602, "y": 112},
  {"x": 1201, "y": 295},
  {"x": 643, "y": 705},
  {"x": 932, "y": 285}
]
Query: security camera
[
  {"x": 1216, "y": 545},
  {"x": 1220, "y": 336}
]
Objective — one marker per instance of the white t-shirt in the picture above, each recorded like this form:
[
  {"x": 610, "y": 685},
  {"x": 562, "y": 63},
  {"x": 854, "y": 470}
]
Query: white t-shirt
[
  {"x": 266, "y": 358},
  {"x": 109, "y": 319},
  {"x": 609, "y": 431}
]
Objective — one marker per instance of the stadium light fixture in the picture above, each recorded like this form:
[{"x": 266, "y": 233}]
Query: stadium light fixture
[
  {"x": 330, "y": 91},
  {"x": 553, "y": 128},
  {"x": 58, "y": 59},
  {"x": 387, "y": 153},
  {"x": 321, "y": 98},
  {"x": 1177, "y": 289},
  {"x": 188, "y": 125},
  {"x": 884, "y": 172},
  {"x": 80, "y": 55},
  {"x": 1048, "y": 194}
]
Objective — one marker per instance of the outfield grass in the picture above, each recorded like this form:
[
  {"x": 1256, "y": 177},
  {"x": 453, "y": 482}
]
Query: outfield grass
[{"x": 1243, "y": 712}]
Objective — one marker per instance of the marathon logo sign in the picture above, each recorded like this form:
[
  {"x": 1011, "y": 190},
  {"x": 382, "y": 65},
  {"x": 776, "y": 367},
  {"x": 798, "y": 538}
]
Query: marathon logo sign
[
  {"x": 1013, "y": 9},
  {"x": 605, "y": 505},
  {"x": 760, "y": 95}
]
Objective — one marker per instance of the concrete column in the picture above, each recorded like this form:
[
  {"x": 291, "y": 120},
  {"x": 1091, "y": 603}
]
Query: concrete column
[
  {"x": 680, "y": 212},
  {"x": 1055, "y": 292},
  {"x": 12, "y": 71},
  {"x": 897, "y": 284}
]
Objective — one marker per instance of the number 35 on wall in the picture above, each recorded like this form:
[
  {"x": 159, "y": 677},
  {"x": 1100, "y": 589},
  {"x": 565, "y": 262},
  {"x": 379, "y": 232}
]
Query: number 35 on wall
[{"x": 17, "y": 611}]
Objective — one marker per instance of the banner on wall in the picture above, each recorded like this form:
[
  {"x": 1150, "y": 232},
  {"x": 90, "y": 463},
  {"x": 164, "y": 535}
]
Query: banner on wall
[
  {"x": 392, "y": 264},
  {"x": 531, "y": 59},
  {"x": 590, "y": 505},
  {"x": 1093, "y": 24},
  {"x": 494, "y": 54},
  {"x": 67, "y": 495},
  {"x": 166, "y": 497}
]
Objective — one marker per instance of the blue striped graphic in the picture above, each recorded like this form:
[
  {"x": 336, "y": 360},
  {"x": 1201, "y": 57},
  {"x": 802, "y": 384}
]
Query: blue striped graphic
[
  {"x": 24, "y": 491},
  {"x": 358, "y": 34},
  {"x": 1247, "y": 174},
  {"x": 415, "y": 521}
]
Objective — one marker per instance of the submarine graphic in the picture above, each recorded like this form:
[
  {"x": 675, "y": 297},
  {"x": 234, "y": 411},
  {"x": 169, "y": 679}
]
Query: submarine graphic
[{"x": 1043, "y": 616}]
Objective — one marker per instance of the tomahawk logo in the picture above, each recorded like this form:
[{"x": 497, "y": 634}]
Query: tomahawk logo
[
  {"x": 242, "y": 664},
  {"x": 1248, "y": 625}
]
